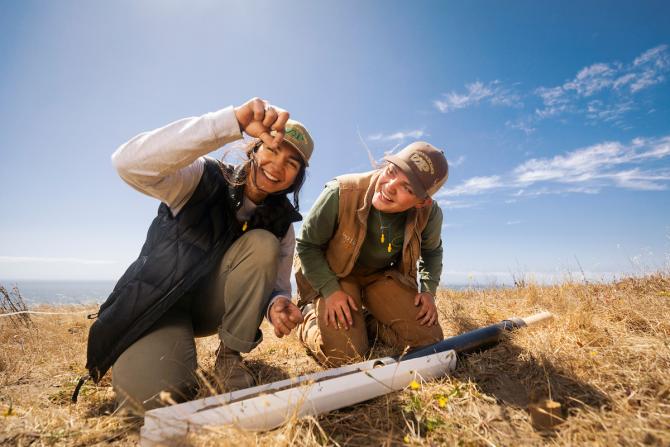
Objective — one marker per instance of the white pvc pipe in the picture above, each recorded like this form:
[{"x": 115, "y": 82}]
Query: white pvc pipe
[
  {"x": 537, "y": 318},
  {"x": 267, "y": 406},
  {"x": 187, "y": 408},
  {"x": 268, "y": 411}
]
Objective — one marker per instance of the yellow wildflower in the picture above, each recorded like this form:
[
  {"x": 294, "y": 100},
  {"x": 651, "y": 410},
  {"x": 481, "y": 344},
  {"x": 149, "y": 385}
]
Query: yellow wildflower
[{"x": 414, "y": 385}]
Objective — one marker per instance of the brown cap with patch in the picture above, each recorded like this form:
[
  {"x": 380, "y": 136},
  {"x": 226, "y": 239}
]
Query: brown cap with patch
[
  {"x": 424, "y": 165},
  {"x": 297, "y": 136}
]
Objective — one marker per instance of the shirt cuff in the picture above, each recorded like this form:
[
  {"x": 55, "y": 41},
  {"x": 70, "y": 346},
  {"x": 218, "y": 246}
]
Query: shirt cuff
[
  {"x": 429, "y": 286},
  {"x": 332, "y": 286},
  {"x": 224, "y": 123}
]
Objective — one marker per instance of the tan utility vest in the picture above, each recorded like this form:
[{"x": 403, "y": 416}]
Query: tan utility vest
[{"x": 355, "y": 197}]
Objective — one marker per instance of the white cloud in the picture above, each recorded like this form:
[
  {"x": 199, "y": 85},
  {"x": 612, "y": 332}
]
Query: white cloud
[
  {"x": 398, "y": 136},
  {"x": 614, "y": 83},
  {"x": 478, "y": 92},
  {"x": 513, "y": 222},
  {"x": 459, "y": 161},
  {"x": 472, "y": 186},
  {"x": 586, "y": 171},
  {"x": 603, "y": 92},
  {"x": 591, "y": 79},
  {"x": 525, "y": 125},
  {"x": 640, "y": 180},
  {"x": 578, "y": 165},
  {"x": 657, "y": 56},
  {"x": 598, "y": 111}
]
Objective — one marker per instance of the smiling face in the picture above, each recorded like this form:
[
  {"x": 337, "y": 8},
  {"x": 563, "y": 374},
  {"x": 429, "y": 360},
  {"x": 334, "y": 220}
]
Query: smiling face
[
  {"x": 393, "y": 192},
  {"x": 276, "y": 170}
]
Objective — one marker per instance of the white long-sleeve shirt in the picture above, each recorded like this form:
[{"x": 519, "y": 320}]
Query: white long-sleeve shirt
[{"x": 167, "y": 164}]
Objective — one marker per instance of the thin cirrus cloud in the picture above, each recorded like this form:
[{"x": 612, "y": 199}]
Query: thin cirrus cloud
[
  {"x": 477, "y": 92},
  {"x": 455, "y": 163},
  {"x": 585, "y": 170},
  {"x": 398, "y": 136},
  {"x": 602, "y": 92},
  {"x": 605, "y": 91}
]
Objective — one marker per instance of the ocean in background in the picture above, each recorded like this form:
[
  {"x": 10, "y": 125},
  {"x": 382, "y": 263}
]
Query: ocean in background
[{"x": 35, "y": 292}]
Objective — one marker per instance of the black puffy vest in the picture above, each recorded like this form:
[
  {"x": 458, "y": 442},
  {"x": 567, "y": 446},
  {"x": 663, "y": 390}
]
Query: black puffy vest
[{"x": 178, "y": 253}]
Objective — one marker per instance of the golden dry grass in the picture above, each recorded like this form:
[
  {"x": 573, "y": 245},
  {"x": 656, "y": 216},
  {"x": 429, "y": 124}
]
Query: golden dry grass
[{"x": 605, "y": 359}]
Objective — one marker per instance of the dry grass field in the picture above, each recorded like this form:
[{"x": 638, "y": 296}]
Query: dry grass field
[{"x": 605, "y": 359}]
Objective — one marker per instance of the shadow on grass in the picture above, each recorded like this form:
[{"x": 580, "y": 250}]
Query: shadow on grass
[
  {"x": 516, "y": 379},
  {"x": 265, "y": 372}
]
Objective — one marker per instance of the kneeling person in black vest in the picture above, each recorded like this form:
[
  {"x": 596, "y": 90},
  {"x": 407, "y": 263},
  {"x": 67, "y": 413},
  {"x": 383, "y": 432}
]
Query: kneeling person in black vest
[{"x": 217, "y": 258}]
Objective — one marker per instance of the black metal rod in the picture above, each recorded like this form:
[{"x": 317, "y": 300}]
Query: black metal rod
[{"x": 468, "y": 342}]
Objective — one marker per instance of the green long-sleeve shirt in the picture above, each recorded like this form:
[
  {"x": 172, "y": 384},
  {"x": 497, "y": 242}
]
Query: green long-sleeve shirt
[{"x": 319, "y": 226}]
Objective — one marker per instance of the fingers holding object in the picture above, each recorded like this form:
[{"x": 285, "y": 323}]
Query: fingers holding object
[
  {"x": 258, "y": 108},
  {"x": 270, "y": 116},
  {"x": 268, "y": 140},
  {"x": 279, "y": 125}
]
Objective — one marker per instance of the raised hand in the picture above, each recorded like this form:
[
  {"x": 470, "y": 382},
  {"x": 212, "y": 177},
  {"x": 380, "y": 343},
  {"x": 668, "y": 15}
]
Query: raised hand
[
  {"x": 284, "y": 316},
  {"x": 258, "y": 118}
]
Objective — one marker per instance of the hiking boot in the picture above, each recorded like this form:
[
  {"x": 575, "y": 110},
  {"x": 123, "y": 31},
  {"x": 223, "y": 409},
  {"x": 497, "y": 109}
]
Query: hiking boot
[{"x": 230, "y": 372}]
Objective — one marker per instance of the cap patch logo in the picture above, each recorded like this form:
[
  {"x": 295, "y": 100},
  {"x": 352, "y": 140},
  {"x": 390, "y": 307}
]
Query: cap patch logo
[
  {"x": 293, "y": 132},
  {"x": 422, "y": 162}
]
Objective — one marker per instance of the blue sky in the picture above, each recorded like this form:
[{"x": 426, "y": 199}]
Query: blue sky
[{"x": 555, "y": 119}]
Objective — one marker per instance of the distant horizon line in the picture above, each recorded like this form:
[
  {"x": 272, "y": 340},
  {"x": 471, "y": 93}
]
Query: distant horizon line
[{"x": 3, "y": 281}]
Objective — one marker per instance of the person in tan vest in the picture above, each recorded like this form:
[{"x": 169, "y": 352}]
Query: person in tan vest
[{"x": 369, "y": 258}]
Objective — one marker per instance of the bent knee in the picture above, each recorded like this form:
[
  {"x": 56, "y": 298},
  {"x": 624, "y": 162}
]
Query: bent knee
[
  {"x": 345, "y": 350},
  {"x": 137, "y": 394},
  {"x": 163, "y": 360},
  {"x": 261, "y": 245}
]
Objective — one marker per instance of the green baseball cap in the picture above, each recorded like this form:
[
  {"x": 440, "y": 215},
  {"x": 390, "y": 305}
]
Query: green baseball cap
[{"x": 297, "y": 136}]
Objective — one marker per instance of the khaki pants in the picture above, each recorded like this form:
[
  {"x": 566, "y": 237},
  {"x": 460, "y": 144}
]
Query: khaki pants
[
  {"x": 231, "y": 303},
  {"x": 392, "y": 318}
]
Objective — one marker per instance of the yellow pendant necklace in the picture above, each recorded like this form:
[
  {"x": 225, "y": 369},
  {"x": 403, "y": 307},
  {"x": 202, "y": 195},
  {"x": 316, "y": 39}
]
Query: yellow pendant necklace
[{"x": 382, "y": 228}]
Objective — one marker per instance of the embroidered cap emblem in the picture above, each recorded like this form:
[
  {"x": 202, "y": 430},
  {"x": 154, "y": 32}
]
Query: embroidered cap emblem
[
  {"x": 295, "y": 134},
  {"x": 422, "y": 162}
]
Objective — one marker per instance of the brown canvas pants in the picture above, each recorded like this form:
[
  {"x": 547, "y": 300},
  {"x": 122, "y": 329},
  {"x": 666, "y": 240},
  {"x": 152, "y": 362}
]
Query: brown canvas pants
[
  {"x": 392, "y": 318},
  {"x": 232, "y": 303}
]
